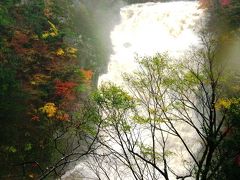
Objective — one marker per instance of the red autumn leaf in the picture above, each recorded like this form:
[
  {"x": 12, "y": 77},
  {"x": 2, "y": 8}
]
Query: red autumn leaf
[
  {"x": 65, "y": 89},
  {"x": 225, "y": 2},
  {"x": 34, "y": 165},
  {"x": 35, "y": 118},
  {"x": 237, "y": 160}
]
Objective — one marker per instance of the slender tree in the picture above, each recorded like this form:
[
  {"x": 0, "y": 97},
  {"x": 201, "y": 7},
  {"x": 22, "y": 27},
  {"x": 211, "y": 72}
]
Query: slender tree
[{"x": 170, "y": 122}]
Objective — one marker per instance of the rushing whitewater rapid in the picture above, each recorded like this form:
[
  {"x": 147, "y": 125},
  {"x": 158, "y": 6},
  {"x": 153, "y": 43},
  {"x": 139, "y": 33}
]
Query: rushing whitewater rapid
[
  {"x": 150, "y": 28},
  {"x": 144, "y": 30}
]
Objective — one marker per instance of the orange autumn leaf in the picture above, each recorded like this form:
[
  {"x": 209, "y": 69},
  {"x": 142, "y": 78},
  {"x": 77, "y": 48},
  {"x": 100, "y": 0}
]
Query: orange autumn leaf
[
  {"x": 87, "y": 75},
  {"x": 62, "y": 116},
  {"x": 205, "y": 4},
  {"x": 39, "y": 79},
  {"x": 48, "y": 12}
]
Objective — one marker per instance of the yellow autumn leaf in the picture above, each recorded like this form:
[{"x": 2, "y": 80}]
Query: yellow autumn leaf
[
  {"x": 31, "y": 175},
  {"x": 52, "y": 32},
  {"x": 50, "y": 109},
  {"x": 33, "y": 82},
  {"x": 60, "y": 52},
  {"x": 45, "y": 35},
  {"x": 40, "y": 79},
  {"x": 225, "y": 103},
  {"x": 53, "y": 28},
  {"x": 72, "y": 50},
  {"x": 35, "y": 37}
]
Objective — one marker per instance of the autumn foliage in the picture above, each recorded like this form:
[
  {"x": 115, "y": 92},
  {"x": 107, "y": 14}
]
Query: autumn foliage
[
  {"x": 210, "y": 3},
  {"x": 65, "y": 89},
  {"x": 49, "y": 109},
  {"x": 87, "y": 75},
  {"x": 39, "y": 80}
]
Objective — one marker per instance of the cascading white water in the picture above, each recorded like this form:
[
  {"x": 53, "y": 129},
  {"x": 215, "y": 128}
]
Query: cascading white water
[
  {"x": 144, "y": 30},
  {"x": 150, "y": 28}
]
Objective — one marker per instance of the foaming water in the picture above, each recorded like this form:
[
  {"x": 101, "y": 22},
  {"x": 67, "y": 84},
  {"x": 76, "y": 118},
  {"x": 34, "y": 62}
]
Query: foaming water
[
  {"x": 144, "y": 30},
  {"x": 150, "y": 28}
]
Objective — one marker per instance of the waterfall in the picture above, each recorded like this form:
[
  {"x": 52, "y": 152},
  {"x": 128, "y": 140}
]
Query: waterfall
[
  {"x": 146, "y": 29},
  {"x": 150, "y": 28}
]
